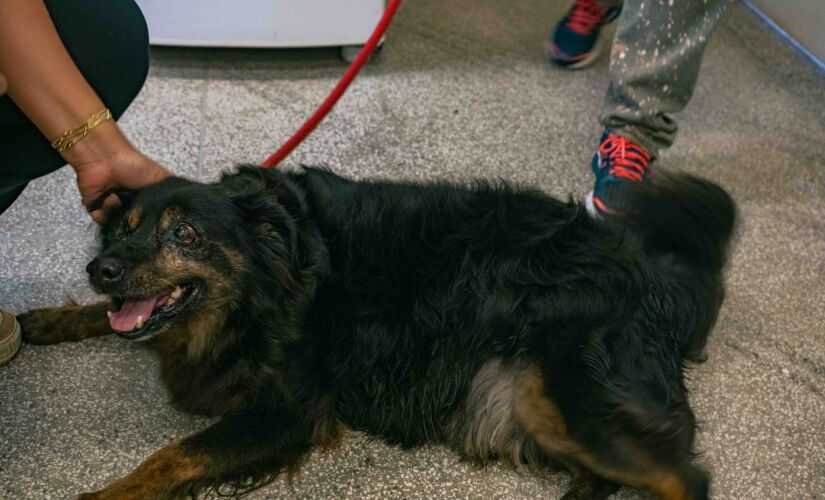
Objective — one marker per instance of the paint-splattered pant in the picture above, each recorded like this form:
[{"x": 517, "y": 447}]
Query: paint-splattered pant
[{"x": 654, "y": 65}]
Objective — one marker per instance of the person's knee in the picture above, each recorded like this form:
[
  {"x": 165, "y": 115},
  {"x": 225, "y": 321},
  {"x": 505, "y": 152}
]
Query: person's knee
[
  {"x": 131, "y": 48},
  {"x": 109, "y": 43},
  {"x": 135, "y": 47}
]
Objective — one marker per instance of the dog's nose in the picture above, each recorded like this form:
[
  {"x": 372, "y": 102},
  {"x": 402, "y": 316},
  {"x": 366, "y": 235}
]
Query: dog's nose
[{"x": 108, "y": 269}]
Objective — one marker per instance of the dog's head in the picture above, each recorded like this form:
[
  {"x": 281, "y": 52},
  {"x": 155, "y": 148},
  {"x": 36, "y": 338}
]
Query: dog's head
[{"x": 182, "y": 256}]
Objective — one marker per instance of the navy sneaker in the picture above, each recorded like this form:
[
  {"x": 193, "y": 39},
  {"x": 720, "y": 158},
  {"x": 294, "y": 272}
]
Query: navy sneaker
[
  {"x": 576, "y": 41},
  {"x": 618, "y": 162}
]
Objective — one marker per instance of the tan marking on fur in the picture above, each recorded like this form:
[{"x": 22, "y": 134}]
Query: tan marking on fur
[
  {"x": 168, "y": 215},
  {"x": 212, "y": 311},
  {"x": 642, "y": 474},
  {"x": 157, "y": 476},
  {"x": 171, "y": 267},
  {"x": 666, "y": 484},
  {"x": 327, "y": 433},
  {"x": 485, "y": 426},
  {"x": 144, "y": 280},
  {"x": 171, "y": 341},
  {"x": 236, "y": 260},
  {"x": 133, "y": 218},
  {"x": 327, "y": 430},
  {"x": 200, "y": 329},
  {"x": 543, "y": 420},
  {"x": 539, "y": 416}
]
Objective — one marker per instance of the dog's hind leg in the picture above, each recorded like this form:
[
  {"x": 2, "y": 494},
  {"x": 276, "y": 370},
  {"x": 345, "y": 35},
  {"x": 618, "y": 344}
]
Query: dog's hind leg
[
  {"x": 588, "y": 486},
  {"x": 615, "y": 454},
  {"x": 65, "y": 324}
]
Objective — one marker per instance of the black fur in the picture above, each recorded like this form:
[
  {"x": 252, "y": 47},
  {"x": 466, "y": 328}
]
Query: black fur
[{"x": 378, "y": 304}]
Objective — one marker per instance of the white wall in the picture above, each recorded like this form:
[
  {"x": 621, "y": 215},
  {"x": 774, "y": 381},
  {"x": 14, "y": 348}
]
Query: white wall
[
  {"x": 261, "y": 23},
  {"x": 804, "y": 20}
]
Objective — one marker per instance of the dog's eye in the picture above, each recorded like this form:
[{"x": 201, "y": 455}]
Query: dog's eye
[{"x": 185, "y": 234}]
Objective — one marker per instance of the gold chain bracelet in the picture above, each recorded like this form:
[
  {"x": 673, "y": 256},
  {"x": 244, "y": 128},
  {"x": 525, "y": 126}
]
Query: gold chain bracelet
[{"x": 70, "y": 137}]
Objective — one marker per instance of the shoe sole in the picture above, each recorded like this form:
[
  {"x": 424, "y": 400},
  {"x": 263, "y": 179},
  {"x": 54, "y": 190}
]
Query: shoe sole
[
  {"x": 10, "y": 345},
  {"x": 590, "y": 205}
]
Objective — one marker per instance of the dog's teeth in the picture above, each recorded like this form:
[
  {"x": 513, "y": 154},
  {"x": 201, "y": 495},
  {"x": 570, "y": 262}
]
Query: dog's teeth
[
  {"x": 176, "y": 293},
  {"x": 170, "y": 302},
  {"x": 139, "y": 322},
  {"x": 109, "y": 314}
]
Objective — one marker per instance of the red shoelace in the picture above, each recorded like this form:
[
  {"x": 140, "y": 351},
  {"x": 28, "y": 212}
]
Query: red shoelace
[
  {"x": 628, "y": 160},
  {"x": 585, "y": 16}
]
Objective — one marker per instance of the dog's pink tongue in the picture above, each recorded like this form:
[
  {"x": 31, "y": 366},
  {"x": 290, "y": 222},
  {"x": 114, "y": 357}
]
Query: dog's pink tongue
[{"x": 125, "y": 319}]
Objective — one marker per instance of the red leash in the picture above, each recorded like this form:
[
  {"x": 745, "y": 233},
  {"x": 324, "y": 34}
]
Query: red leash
[{"x": 339, "y": 89}]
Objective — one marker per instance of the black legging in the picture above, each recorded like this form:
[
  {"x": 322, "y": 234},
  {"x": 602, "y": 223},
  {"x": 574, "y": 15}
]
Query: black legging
[{"x": 109, "y": 42}]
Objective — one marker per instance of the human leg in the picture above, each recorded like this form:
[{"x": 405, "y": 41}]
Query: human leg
[
  {"x": 654, "y": 66},
  {"x": 108, "y": 41}
]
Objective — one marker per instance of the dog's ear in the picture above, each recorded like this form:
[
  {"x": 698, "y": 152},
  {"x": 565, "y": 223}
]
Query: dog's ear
[
  {"x": 323, "y": 188},
  {"x": 250, "y": 182},
  {"x": 272, "y": 208},
  {"x": 244, "y": 180},
  {"x": 116, "y": 213},
  {"x": 324, "y": 184},
  {"x": 275, "y": 221}
]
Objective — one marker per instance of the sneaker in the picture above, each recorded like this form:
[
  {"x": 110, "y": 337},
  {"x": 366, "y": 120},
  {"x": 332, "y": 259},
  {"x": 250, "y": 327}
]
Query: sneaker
[
  {"x": 9, "y": 336},
  {"x": 576, "y": 41},
  {"x": 618, "y": 162}
]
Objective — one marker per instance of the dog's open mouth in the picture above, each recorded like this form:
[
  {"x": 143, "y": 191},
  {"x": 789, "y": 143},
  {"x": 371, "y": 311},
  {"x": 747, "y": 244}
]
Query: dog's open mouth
[{"x": 141, "y": 316}]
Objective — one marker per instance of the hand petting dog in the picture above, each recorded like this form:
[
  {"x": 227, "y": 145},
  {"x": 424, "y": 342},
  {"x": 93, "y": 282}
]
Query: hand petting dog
[{"x": 104, "y": 162}]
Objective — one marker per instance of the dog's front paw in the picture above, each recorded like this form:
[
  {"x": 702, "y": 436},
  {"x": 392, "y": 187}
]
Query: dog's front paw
[
  {"x": 61, "y": 324},
  {"x": 43, "y": 326}
]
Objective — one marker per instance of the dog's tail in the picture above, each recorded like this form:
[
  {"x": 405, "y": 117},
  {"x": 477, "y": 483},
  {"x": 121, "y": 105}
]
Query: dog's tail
[
  {"x": 685, "y": 224},
  {"x": 684, "y": 216}
]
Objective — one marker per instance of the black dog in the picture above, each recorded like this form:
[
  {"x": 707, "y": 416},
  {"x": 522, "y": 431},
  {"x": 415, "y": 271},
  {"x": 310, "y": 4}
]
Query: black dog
[{"x": 495, "y": 319}]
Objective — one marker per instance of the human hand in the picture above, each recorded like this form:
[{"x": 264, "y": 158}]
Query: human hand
[
  {"x": 104, "y": 161},
  {"x": 129, "y": 169}
]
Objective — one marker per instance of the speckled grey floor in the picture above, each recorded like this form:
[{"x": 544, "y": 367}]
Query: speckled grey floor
[{"x": 461, "y": 91}]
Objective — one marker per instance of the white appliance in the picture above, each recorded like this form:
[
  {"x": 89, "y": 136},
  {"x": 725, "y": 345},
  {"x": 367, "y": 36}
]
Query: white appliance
[{"x": 261, "y": 23}]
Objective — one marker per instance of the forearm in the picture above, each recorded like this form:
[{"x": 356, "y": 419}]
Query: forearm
[{"x": 45, "y": 83}]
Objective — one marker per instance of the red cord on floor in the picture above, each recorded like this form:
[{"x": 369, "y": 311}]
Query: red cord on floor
[{"x": 339, "y": 89}]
